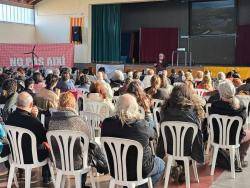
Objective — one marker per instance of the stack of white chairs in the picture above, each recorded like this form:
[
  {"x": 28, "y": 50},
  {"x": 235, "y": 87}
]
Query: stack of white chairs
[
  {"x": 66, "y": 140},
  {"x": 224, "y": 124},
  {"x": 119, "y": 150},
  {"x": 15, "y": 135},
  {"x": 178, "y": 131}
]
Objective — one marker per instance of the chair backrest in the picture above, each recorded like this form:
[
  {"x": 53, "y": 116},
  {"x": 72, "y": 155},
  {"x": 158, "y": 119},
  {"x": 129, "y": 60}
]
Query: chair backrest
[
  {"x": 178, "y": 131},
  {"x": 15, "y": 136},
  {"x": 1, "y": 109},
  {"x": 66, "y": 141},
  {"x": 115, "y": 99},
  {"x": 93, "y": 121},
  {"x": 119, "y": 151},
  {"x": 142, "y": 111},
  {"x": 178, "y": 84},
  {"x": 157, "y": 103},
  {"x": 224, "y": 124},
  {"x": 43, "y": 119},
  {"x": 96, "y": 107},
  {"x": 201, "y": 92},
  {"x": 157, "y": 116},
  {"x": 208, "y": 105},
  {"x": 114, "y": 89},
  {"x": 246, "y": 101}
]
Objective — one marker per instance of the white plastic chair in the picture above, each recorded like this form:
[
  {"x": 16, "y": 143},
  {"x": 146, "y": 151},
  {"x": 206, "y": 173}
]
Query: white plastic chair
[
  {"x": 1, "y": 108},
  {"x": 93, "y": 121},
  {"x": 43, "y": 119},
  {"x": 201, "y": 92},
  {"x": 115, "y": 99},
  {"x": 208, "y": 105},
  {"x": 142, "y": 111},
  {"x": 114, "y": 89},
  {"x": 156, "y": 115},
  {"x": 224, "y": 124},
  {"x": 246, "y": 101},
  {"x": 96, "y": 107},
  {"x": 119, "y": 151},
  {"x": 15, "y": 135},
  {"x": 178, "y": 84},
  {"x": 66, "y": 140},
  {"x": 157, "y": 103},
  {"x": 178, "y": 131}
]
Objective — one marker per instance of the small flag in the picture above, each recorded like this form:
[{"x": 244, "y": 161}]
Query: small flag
[{"x": 76, "y": 30}]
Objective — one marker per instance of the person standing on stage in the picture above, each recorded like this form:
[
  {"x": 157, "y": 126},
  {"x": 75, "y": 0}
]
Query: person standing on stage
[{"x": 161, "y": 64}]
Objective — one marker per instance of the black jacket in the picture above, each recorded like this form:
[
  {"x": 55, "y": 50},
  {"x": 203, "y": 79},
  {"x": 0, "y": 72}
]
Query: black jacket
[
  {"x": 224, "y": 108},
  {"x": 23, "y": 119},
  {"x": 188, "y": 115},
  {"x": 138, "y": 130},
  {"x": 116, "y": 83}
]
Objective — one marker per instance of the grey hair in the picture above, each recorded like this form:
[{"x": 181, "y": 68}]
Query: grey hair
[
  {"x": 221, "y": 76},
  {"x": 127, "y": 108},
  {"x": 24, "y": 101},
  {"x": 118, "y": 75},
  {"x": 227, "y": 93}
]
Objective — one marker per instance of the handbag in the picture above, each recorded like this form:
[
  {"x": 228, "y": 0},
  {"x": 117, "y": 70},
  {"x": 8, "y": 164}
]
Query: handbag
[{"x": 97, "y": 158}]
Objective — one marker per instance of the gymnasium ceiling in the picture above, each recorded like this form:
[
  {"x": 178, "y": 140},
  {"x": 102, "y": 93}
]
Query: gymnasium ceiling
[{"x": 24, "y": 3}]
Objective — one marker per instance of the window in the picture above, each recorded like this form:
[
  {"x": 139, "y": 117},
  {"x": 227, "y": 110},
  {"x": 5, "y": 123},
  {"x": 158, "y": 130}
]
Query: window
[{"x": 16, "y": 14}]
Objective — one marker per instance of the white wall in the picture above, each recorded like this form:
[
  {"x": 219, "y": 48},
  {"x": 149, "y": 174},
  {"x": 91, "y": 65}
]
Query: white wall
[
  {"x": 53, "y": 22},
  {"x": 16, "y": 33}
]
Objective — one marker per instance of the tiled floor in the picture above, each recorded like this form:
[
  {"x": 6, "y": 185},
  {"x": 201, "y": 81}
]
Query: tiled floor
[{"x": 221, "y": 179}]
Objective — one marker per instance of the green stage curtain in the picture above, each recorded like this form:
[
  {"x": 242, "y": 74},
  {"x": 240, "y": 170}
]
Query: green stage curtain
[{"x": 106, "y": 33}]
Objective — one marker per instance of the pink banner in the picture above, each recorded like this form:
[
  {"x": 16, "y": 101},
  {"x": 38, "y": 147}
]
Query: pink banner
[{"x": 47, "y": 55}]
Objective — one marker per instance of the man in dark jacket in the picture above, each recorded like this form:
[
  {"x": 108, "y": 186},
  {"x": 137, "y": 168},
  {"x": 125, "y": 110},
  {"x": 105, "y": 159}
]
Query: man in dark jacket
[
  {"x": 25, "y": 116},
  {"x": 128, "y": 124}
]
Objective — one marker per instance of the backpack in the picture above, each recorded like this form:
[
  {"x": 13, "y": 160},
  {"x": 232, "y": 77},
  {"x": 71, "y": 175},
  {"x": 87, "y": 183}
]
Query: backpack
[{"x": 223, "y": 160}]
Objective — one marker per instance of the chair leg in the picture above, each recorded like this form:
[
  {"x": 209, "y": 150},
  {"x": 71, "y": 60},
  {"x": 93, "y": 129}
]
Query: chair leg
[
  {"x": 78, "y": 181},
  {"x": 63, "y": 182},
  {"x": 150, "y": 184},
  {"x": 208, "y": 145},
  {"x": 238, "y": 157},
  {"x": 92, "y": 178},
  {"x": 27, "y": 177},
  {"x": 111, "y": 184},
  {"x": 11, "y": 176},
  {"x": 52, "y": 172},
  {"x": 58, "y": 180},
  {"x": 15, "y": 180},
  {"x": 167, "y": 171},
  {"x": 187, "y": 173},
  {"x": 215, "y": 153},
  {"x": 232, "y": 159},
  {"x": 195, "y": 171}
]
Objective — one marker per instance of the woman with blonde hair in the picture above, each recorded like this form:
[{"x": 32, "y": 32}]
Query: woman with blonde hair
[
  {"x": 206, "y": 83},
  {"x": 128, "y": 124}
]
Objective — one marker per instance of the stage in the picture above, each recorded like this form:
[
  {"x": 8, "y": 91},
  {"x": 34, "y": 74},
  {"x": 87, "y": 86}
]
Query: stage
[{"x": 243, "y": 71}]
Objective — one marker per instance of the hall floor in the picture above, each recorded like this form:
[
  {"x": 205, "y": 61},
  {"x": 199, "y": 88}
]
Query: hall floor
[{"x": 221, "y": 179}]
